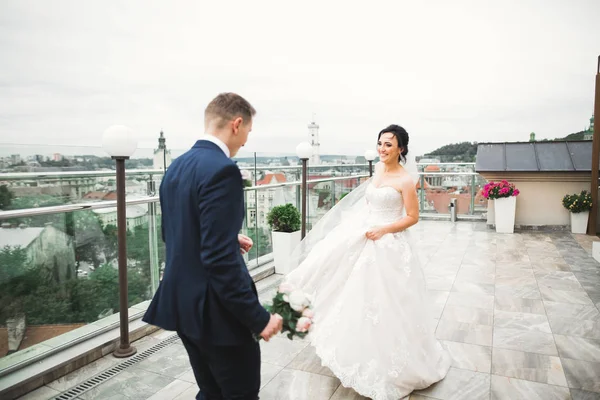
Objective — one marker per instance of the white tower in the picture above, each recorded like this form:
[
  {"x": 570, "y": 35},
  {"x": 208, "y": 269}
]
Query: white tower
[
  {"x": 313, "y": 131},
  {"x": 162, "y": 156}
]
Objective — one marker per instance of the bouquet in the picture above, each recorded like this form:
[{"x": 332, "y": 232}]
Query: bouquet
[
  {"x": 295, "y": 307},
  {"x": 497, "y": 190},
  {"x": 577, "y": 203}
]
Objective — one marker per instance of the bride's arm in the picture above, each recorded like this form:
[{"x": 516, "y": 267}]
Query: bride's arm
[{"x": 411, "y": 205}]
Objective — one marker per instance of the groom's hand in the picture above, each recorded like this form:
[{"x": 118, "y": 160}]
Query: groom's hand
[
  {"x": 245, "y": 243},
  {"x": 273, "y": 327}
]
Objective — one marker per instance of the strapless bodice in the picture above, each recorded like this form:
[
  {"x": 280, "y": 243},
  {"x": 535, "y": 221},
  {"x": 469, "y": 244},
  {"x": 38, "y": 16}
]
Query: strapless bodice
[{"x": 385, "y": 204}]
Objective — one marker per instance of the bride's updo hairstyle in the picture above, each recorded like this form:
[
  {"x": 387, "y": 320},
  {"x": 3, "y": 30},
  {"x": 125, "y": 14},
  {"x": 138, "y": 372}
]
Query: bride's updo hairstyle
[{"x": 401, "y": 137}]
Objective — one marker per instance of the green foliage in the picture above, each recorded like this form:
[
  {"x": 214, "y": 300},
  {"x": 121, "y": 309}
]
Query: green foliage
[
  {"x": 262, "y": 242},
  {"x": 65, "y": 162},
  {"x": 289, "y": 315},
  {"x": 13, "y": 262},
  {"x": 457, "y": 152},
  {"x": 36, "y": 294},
  {"x": 577, "y": 203},
  {"x": 40, "y": 200},
  {"x": 111, "y": 246},
  {"x": 35, "y": 291},
  {"x": 6, "y": 197},
  {"x": 284, "y": 218},
  {"x": 575, "y": 136},
  {"x": 138, "y": 248}
]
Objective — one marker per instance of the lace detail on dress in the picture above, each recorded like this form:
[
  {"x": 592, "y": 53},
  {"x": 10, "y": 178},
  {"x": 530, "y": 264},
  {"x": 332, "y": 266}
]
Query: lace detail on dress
[
  {"x": 372, "y": 312},
  {"x": 365, "y": 379}
]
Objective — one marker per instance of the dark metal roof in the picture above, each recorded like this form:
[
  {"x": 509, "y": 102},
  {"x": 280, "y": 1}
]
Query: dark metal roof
[{"x": 534, "y": 156}]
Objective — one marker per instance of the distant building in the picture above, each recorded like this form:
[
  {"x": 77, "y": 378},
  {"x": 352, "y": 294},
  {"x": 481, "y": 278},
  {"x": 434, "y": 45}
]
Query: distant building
[
  {"x": 53, "y": 251},
  {"x": 162, "y": 156},
  {"x": 48, "y": 247},
  {"x": 136, "y": 215},
  {"x": 313, "y": 132},
  {"x": 259, "y": 203},
  {"x": 100, "y": 196}
]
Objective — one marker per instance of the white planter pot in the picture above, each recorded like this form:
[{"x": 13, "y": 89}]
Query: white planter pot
[
  {"x": 505, "y": 209},
  {"x": 284, "y": 244},
  {"x": 579, "y": 222}
]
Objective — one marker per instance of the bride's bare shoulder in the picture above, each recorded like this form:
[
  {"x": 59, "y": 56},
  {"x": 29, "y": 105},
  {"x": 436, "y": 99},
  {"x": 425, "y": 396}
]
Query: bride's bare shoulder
[{"x": 403, "y": 182}]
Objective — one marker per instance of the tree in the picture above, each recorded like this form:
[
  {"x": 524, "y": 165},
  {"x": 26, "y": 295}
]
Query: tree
[
  {"x": 110, "y": 245},
  {"x": 86, "y": 229},
  {"x": 465, "y": 152},
  {"x": 13, "y": 263},
  {"x": 138, "y": 248},
  {"x": 6, "y": 197},
  {"x": 31, "y": 291}
]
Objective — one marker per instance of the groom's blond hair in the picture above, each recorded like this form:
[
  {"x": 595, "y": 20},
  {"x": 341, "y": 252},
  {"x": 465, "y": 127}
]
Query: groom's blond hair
[{"x": 227, "y": 106}]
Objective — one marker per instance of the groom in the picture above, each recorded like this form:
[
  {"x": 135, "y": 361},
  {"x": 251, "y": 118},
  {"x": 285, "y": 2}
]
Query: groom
[{"x": 207, "y": 294}]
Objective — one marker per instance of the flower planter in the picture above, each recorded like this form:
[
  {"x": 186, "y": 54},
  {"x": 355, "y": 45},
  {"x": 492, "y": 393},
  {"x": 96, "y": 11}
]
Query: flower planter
[
  {"x": 505, "y": 209},
  {"x": 579, "y": 222},
  {"x": 284, "y": 244}
]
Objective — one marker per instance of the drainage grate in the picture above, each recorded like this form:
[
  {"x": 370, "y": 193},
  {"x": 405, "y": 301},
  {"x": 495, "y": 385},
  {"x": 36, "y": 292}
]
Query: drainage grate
[{"x": 109, "y": 373}]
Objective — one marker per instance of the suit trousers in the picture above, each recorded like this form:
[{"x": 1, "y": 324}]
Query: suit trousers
[{"x": 225, "y": 372}]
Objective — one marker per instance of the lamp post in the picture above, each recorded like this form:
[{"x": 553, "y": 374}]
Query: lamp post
[
  {"x": 370, "y": 155},
  {"x": 591, "y": 230},
  {"x": 304, "y": 151},
  {"x": 119, "y": 142}
]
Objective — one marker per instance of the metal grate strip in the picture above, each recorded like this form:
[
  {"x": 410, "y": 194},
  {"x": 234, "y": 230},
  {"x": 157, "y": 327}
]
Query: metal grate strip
[{"x": 112, "y": 371}]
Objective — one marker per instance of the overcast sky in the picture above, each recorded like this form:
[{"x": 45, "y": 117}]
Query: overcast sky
[{"x": 448, "y": 71}]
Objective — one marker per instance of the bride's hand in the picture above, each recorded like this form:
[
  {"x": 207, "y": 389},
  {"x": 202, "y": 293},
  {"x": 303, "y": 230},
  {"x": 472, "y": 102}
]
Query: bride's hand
[{"x": 375, "y": 233}]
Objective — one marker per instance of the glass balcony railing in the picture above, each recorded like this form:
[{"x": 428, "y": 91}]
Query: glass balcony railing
[
  {"x": 58, "y": 239},
  {"x": 58, "y": 266},
  {"x": 439, "y": 183}
]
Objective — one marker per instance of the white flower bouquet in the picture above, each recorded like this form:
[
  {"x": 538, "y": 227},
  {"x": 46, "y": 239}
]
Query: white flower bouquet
[{"x": 295, "y": 307}]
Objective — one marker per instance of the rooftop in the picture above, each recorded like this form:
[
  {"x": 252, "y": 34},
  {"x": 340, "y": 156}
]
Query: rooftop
[
  {"x": 555, "y": 156},
  {"x": 518, "y": 313}
]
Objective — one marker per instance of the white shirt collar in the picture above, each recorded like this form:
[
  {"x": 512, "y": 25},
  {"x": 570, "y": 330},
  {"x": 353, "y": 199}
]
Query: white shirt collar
[{"x": 218, "y": 142}]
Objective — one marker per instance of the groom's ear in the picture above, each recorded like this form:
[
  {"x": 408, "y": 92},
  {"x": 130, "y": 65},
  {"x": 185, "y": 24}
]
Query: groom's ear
[{"x": 236, "y": 123}]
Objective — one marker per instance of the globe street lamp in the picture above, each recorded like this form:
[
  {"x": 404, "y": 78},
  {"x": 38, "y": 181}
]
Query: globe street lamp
[
  {"x": 304, "y": 151},
  {"x": 120, "y": 143},
  {"x": 370, "y": 155}
]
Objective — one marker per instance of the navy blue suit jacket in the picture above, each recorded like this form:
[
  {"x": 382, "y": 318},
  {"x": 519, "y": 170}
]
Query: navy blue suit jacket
[{"x": 206, "y": 292}]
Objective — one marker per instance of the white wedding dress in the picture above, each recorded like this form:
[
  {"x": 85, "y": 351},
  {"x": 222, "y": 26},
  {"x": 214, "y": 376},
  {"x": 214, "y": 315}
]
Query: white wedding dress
[{"x": 372, "y": 322}]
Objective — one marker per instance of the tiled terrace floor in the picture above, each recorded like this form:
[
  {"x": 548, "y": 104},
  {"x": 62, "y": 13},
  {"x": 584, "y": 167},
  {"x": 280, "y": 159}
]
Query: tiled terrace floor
[{"x": 518, "y": 313}]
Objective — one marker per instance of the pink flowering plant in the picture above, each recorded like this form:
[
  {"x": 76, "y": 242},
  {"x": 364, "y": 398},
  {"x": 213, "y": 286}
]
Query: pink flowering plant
[
  {"x": 295, "y": 307},
  {"x": 577, "y": 203},
  {"x": 497, "y": 190}
]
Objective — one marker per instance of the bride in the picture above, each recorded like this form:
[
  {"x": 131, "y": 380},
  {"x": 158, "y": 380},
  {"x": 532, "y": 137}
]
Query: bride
[{"x": 372, "y": 325}]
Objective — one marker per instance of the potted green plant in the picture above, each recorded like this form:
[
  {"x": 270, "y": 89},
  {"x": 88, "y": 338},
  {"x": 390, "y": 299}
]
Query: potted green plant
[
  {"x": 579, "y": 206},
  {"x": 504, "y": 195},
  {"x": 285, "y": 224}
]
